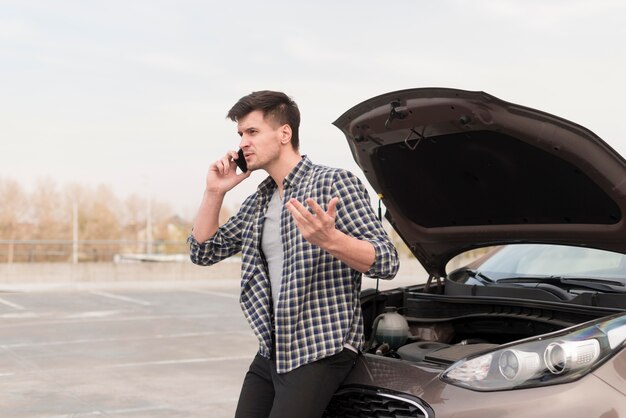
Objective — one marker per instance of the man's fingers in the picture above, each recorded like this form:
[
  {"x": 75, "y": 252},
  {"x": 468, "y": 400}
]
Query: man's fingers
[
  {"x": 300, "y": 214},
  {"x": 298, "y": 207},
  {"x": 316, "y": 227},
  {"x": 293, "y": 208},
  {"x": 317, "y": 209},
  {"x": 332, "y": 207},
  {"x": 224, "y": 164},
  {"x": 219, "y": 166}
]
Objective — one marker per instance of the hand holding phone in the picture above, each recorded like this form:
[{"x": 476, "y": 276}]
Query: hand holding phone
[{"x": 241, "y": 161}]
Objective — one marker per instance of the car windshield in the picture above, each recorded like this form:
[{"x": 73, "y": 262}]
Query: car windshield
[{"x": 532, "y": 260}]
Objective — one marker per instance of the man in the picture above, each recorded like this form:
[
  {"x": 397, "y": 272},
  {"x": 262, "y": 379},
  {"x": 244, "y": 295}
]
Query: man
[{"x": 306, "y": 236}]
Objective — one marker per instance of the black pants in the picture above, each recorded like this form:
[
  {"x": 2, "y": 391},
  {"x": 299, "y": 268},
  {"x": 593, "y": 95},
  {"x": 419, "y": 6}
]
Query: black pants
[{"x": 300, "y": 393}]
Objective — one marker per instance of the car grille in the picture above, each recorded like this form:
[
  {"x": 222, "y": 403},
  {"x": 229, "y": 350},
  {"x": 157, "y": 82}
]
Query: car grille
[{"x": 370, "y": 403}]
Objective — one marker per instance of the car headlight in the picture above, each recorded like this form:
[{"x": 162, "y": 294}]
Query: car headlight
[{"x": 550, "y": 359}]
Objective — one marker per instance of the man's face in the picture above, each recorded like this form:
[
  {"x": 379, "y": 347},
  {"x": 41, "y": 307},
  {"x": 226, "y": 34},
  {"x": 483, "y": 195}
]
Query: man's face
[{"x": 260, "y": 140}]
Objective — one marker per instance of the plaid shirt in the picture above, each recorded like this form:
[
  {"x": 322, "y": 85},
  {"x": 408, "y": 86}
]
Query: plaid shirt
[{"x": 318, "y": 308}]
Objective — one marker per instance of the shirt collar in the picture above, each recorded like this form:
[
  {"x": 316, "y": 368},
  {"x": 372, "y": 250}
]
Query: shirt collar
[{"x": 299, "y": 173}]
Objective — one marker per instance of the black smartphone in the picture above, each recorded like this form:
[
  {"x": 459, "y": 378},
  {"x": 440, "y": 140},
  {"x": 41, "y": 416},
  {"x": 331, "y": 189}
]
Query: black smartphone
[{"x": 241, "y": 161}]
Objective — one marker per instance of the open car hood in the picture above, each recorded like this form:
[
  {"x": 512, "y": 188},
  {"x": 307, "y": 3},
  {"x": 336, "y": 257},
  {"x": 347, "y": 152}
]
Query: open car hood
[{"x": 460, "y": 170}]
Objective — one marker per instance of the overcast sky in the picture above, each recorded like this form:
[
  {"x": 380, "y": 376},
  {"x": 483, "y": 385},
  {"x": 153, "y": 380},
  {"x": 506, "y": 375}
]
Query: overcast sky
[{"x": 133, "y": 94}]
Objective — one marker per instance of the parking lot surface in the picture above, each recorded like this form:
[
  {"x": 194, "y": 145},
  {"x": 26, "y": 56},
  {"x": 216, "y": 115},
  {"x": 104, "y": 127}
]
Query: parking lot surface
[{"x": 123, "y": 351}]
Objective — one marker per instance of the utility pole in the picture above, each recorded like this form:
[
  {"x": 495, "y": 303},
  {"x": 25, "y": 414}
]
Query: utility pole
[
  {"x": 149, "y": 227},
  {"x": 74, "y": 232}
]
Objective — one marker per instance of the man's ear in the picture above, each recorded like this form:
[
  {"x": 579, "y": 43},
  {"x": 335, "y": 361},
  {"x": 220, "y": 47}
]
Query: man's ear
[{"x": 285, "y": 132}]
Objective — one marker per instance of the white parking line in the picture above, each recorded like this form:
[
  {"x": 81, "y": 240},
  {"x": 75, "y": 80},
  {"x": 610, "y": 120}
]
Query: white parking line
[
  {"x": 92, "y": 314},
  {"x": 117, "y": 339},
  {"x": 19, "y": 315},
  {"x": 122, "y": 298},
  {"x": 112, "y": 412},
  {"x": 11, "y": 304},
  {"x": 117, "y": 319}
]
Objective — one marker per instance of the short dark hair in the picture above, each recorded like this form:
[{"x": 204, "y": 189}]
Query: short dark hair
[{"x": 275, "y": 105}]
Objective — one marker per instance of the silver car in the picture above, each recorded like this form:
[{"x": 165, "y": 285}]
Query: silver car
[{"x": 536, "y": 326}]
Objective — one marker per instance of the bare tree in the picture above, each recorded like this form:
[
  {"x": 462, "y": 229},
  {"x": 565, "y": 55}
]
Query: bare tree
[
  {"x": 105, "y": 224},
  {"x": 13, "y": 213},
  {"x": 134, "y": 221}
]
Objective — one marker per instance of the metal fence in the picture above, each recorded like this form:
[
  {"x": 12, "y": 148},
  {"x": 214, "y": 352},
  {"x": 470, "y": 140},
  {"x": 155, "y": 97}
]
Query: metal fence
[{"x": 33, "y": 251}]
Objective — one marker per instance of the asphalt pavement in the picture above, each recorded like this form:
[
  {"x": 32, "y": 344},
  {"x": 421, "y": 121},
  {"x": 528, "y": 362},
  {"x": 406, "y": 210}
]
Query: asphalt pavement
[
  {"x": 123, "y": 351},
  {"x": 127, "y": 349}
]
